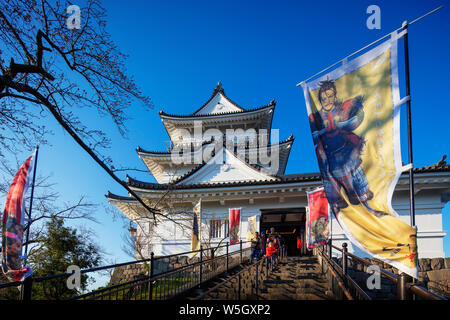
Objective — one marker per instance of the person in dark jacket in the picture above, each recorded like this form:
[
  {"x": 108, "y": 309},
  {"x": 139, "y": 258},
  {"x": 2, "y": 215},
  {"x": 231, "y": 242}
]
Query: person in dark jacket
[
  {"x": 255, "y": 246},
  {"x": 262, "y": 251}
]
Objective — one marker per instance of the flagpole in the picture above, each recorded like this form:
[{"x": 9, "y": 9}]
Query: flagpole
[
  {"x": 408, "y": 115},
  {"x": 31, "y": 206}
]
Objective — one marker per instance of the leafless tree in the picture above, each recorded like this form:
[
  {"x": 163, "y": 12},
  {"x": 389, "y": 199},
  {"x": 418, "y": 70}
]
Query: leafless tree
[{"x": 48, "y": 69}]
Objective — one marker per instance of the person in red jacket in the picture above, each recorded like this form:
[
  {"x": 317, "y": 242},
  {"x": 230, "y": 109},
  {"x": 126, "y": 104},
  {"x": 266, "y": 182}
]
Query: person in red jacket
[
  {"x": 299, "y": 244},
  {"x": 270, "y": 253}
]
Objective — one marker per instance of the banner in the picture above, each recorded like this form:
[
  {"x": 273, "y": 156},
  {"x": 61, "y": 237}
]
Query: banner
[
  {"x": 13, "y": 225},
  {"x": 235, "y": 225},
  {"x": 196, "y": 228},
  {"x": 251, "y": 228},
  {"x": 317, "y": 219},
  {"x": 354, "y": 117}
]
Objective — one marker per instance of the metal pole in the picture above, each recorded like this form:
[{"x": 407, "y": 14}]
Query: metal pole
[
  {"x": 26, "y": 289},
  {"x": 330, "y": 248},
  {"x": 408, "y": 114},
  {"x": 31, "y": 207},
  {"x": 227, "y": 255},
  {"x": 201, "y": 263},
  {"x": 402, "y": 287},
  {"x": 240, "y": 248},
  {"x": 257, "y": 279},
  {"x": 344, "y": 259},
  {"x": 150, "y": 271}
]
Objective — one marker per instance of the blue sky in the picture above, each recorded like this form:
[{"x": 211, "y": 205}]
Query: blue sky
[{"x": 259, "y": 50}]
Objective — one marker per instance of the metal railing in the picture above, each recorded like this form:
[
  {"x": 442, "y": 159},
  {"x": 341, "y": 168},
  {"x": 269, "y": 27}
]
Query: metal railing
[
  {"x": 164, "y": 278},
  {"x": 345, "y": 286},
  {"x": 262, "y": 267}
]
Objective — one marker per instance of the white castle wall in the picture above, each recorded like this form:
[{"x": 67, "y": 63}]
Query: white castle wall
[{"x": 428, "y": 219}]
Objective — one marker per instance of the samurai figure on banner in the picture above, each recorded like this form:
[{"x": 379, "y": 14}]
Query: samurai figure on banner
[
  {"x": 354, "y": 118},
  {"x": 13, "y": 225},
  {"x": 317, "y": 219},
  {"x": 235, "y": 225},
  {"x": 196, "y": 227}
]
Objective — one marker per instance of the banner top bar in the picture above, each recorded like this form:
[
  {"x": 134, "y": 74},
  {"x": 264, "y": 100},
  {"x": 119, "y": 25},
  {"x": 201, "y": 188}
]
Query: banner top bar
[{"x": 404, "y": 26}]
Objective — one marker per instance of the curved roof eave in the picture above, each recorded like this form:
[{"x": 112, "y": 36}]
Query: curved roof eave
[{"x": 167, "y": 116}]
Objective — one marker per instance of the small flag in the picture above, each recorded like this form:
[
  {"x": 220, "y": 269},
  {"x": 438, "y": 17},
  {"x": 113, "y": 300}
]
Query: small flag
[
  {"x": 235, "y": 225},
  {"x": 251, "y": 228},
  {"x": 196, "y": 228},
  {"x": 13, "y": 225}
]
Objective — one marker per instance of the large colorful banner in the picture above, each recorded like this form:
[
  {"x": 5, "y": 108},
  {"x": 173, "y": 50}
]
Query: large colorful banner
[
  {"x": 354, "y": 117},
  {"x": 235, "y": 225},
  {"x": 317, "y": 219},
  {"x": 13, "y": 224},
  {"x": 196, "y": 228},
  {"x": 251, "y": 228}
]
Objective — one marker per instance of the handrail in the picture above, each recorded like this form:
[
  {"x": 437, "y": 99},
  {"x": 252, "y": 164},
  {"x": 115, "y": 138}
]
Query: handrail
[
  {"x": 357, "y": 287},
  {"x": 424, "y": 293},
  {"x": 410, "y": 287},
  {"x": 335, "y": 275},
  {"x": 217, "y": 286},
  {"x": 145, "y": 278},
  {"x": 261, "y": 261},
  {"x": 391, "y": 276}
]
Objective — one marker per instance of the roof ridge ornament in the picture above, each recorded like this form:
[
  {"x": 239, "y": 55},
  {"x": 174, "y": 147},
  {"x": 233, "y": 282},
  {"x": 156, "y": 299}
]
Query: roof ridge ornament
[
  {"x": 442, "y": 162},
  {"x": 218, "y": 88}
]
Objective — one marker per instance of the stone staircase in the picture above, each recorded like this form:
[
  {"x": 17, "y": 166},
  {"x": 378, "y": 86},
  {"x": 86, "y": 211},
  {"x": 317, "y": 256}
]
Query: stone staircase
[{"x": 296, "y": 278}]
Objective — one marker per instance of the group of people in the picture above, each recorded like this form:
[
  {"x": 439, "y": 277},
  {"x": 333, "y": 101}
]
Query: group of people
[{"x": 266, "y": 244}]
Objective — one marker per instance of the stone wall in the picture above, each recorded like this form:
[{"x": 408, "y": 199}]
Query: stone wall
[
  {"x": 131, "y": 272},
  {"x": 127, "y": 273},
  {"x": 434, "y": 274}
]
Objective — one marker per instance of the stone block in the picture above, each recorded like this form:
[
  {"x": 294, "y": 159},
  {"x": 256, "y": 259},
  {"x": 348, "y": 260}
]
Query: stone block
[
  {"x": 423, "y": 277},
  {"x": 439, "y": 275},
  {"x": 424, "y": 264},
  {"x": 437, "y": 263},
  {"x": 447, "y": 263}
]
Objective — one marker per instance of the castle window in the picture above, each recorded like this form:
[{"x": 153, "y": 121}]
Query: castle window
[{"x": 218, "y": 228}]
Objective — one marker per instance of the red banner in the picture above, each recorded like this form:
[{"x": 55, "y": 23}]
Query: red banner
[
  {"x": 317, "y": 219},
  {"x": 235, "y": 225},
  {"x": 13, "y": 225}
]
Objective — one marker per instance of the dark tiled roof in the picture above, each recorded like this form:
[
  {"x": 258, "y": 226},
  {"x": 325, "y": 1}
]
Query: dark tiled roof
[
  {"x": 139, "y": 149},
  {"x": 440, "y": 166},
  {"x": 194, "y": 170},
  {"x": 116, "y": 197},
  {"x": 283, "y": 179},
  {"x": 217, "y": 89},
  {"x": 270, "y": 105}
]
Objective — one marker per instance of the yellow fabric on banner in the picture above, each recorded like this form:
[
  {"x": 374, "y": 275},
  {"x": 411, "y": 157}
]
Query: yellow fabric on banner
[{"x": 386, "y": 236}]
